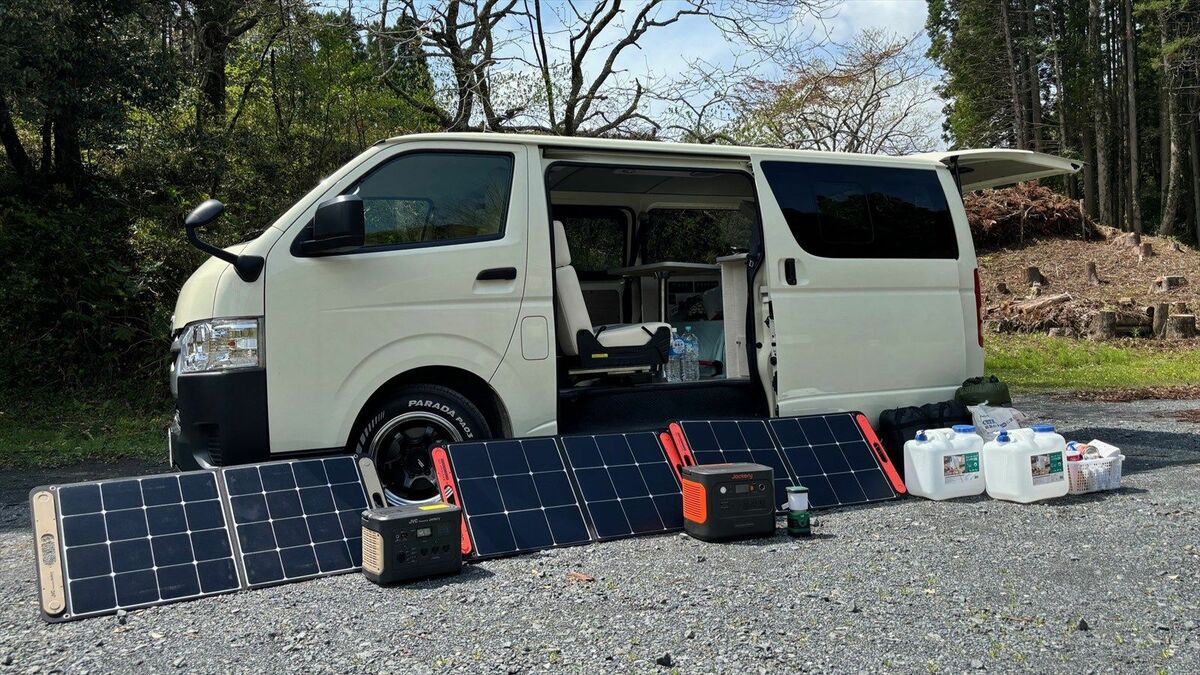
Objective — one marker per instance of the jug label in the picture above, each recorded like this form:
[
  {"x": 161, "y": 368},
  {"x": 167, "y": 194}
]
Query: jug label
[
  {"x": 1047, "y": 468},
  {"x": 962, "y": 468}
]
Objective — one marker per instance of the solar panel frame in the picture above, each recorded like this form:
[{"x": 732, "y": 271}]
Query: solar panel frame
[
  {"x": 161, "y": 503},
  {"x": 295, "y": 519},
  {"x": 626, "y": 484},
  {"x": 548, "y": 516}
]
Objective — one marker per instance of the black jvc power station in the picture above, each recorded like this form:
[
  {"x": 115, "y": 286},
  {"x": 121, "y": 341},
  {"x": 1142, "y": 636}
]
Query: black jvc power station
[
  {"x": 402, "y": 543},
  {"x": 728, "y": 501}
]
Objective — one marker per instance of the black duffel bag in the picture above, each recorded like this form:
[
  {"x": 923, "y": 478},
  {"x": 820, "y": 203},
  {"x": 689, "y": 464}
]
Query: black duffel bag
[{"x": 897, "y": 426}]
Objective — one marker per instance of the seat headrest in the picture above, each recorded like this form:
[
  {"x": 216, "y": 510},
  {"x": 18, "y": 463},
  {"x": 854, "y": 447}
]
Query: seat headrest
[{"x": 562, "y": 252}]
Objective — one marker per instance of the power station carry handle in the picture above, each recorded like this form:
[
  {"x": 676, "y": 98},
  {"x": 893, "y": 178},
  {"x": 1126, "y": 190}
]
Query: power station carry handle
[{"x": 449, "y": 492}]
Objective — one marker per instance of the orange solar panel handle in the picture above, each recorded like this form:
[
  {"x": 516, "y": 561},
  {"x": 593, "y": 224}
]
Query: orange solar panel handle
[
  {"x": 449, "y": 492},
  {"x": 880, "y": 454}
]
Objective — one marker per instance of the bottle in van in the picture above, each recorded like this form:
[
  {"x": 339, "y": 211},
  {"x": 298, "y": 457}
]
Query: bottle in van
[
  {"x": 944, "y": 463},
  {"x": 691, "y": 358},
  {"x": 1026, "y": 465},
  {"x": 674, "y": 367}
]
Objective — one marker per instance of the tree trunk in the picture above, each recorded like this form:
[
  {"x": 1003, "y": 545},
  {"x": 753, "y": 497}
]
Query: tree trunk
[
  {"x": 1033, "y": 81},
  {"x": 1103, "y": 198},
  {"x": 68, "y": 152},
  {"x": 1194, "y": 147},
  {"x": 12, "y": 143},
  {"x": 1014, "y": 79},
  {"x": 1181, "y": 326},
  {"x": 1135, "y": 215},
  {"x": 1160, "y": 319},
  {"x": 1173, "y": 177}
]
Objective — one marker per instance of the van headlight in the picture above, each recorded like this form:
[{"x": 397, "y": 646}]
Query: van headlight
[{"x": 220, "y": 344}]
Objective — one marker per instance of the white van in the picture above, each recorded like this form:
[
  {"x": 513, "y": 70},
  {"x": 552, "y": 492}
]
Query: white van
[{"x": 441, "y": 287}]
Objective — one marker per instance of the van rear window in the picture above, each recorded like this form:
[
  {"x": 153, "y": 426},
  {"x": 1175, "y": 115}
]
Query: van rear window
[{"x": 841, "y": 211}]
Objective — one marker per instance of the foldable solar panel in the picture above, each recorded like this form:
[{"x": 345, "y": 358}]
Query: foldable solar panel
[
  {"x": 516, "y": 496},
  {"x": 296, "y": 520},
  {"x": 719, "y": 441},
  {"x": 131, "y": 542},
  {"x": 134, "y": 542},
  {"x": 836, "y": 456},
  {"x": 627, "y": 485}
]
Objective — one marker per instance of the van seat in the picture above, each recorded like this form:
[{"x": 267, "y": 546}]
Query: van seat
[{"x": 621, "y": 345}]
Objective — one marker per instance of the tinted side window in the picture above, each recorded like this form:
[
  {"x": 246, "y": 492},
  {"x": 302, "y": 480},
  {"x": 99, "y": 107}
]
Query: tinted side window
[
  {"x": 596, "y": 235},
  {"x": 839, "y": 211},
  {"x": 695, "y": 235},
  {"x": 436, "y": 197}
]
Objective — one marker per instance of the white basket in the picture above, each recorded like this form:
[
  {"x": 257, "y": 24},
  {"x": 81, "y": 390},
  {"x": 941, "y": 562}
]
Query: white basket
[{"x": 1094, "y": 475}]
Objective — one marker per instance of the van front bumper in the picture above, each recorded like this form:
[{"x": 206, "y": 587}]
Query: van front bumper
[{"x": 220, "y": 419}]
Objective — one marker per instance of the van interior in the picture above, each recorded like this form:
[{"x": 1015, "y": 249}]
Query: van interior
[{"x": 638, "y": 251}]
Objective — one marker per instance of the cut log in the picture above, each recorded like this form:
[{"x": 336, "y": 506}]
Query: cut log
[
  {"x": 1159, "y": 319},
  {"x": 1106, "y": 324},
  {"x": 1145, "y": 251},
  {"x": 1166, "y": 283},
  {"x": 1042, "y": 303},
  {"x": 1002, "y": 288},
  {"x": 1181, "y": 326},
  {"x": 1034, "y": 276},
  {"x": 1093, "y": 276}
]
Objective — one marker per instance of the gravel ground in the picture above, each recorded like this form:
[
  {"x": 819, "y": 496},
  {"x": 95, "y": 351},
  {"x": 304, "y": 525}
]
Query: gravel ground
[{"x": 1106, "y": 582}]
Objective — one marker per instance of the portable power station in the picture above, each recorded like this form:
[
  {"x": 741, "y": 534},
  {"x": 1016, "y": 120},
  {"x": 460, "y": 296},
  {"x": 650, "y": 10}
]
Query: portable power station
[
  {"x": 402, "y": 543},
  {"x": 728, "y": 501}
]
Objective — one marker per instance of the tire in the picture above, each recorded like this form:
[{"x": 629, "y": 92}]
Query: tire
[{"x": 398, "y": 433}]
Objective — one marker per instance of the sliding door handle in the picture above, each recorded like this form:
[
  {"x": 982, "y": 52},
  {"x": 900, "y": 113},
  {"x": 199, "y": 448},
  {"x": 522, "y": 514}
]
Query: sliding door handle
[
  {"x": 497, "y": 274},
  {"x": 789, "y": 271}
]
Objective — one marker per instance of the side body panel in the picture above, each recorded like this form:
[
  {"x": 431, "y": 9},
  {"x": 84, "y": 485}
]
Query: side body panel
[
  {"x": 866, "y": 334},
  {"x": 339, "y": 327}
]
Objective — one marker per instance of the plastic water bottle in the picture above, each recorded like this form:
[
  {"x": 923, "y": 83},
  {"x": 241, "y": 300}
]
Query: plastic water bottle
[
  {"x": 674, "y": 369},
  {"x": 691, "y": 357}
]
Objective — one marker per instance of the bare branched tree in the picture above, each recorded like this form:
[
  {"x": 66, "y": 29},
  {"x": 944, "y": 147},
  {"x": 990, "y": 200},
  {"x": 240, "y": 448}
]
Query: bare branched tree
[
  {"x": 557, "y": 67},
  {"x": 877, "y": 96}
]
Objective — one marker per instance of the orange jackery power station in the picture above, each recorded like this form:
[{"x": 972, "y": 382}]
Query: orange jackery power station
[{"x": 728, "y": 501}]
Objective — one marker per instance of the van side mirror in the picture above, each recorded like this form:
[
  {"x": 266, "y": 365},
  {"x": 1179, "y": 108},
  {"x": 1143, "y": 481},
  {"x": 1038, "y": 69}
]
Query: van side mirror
[
  {"x": 339, "y": 225},
  {"x": 248, "y": 267}
]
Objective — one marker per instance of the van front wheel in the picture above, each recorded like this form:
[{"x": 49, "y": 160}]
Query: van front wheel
[{"x": 399, "y": 433}]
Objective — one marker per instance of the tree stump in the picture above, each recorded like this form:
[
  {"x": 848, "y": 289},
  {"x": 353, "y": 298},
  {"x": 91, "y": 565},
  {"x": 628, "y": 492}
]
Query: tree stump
[
  {"x": 1145, "y": 251},
  {"x": 1093, "y": 276},
  {"x": 1002, "y": 288},
  {"x": 1159, "y": 319},
  {"x": 1034, "y": 276},
  {"x": 1181, "y": 326},
  {"x": 1106, "y": 324},
  {"x": 1167, "y": 283}
]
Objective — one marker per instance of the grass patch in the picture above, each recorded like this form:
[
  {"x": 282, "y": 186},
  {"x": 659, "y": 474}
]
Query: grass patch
[
  {"x": 1044, "y": 362},
  {"x": 45, "y": 430}
]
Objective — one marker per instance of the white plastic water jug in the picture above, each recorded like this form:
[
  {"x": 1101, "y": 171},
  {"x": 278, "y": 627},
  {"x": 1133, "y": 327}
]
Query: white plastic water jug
[
  {"x": 1026, "y": 465},
  {"x": 944, "y": 463}
]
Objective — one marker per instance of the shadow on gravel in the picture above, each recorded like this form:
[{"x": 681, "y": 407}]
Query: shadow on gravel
[
  {"x": 15, "y": 485},
  {"x": 1146, "y": 450}
]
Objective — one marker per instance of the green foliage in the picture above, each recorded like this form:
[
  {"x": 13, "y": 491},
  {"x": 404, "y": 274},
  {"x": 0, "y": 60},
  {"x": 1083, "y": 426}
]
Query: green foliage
[
  {"x": 1042, "y": 362},
  {"x": 94, "y": 256}
]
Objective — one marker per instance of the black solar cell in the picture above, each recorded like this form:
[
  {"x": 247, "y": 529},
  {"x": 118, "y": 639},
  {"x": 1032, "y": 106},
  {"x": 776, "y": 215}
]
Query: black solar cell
[
  {"x": 516, "y": 496},
  {"x": 296, "y": 519},
  {"x": 141, "y": 541},
  {"x": 738, "y": 441},
  {"x": 830, "y": 456},
  {"x": 627, "y": 484}
]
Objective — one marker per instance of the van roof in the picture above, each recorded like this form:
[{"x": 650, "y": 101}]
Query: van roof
[{"x": 661, "y": 147}]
